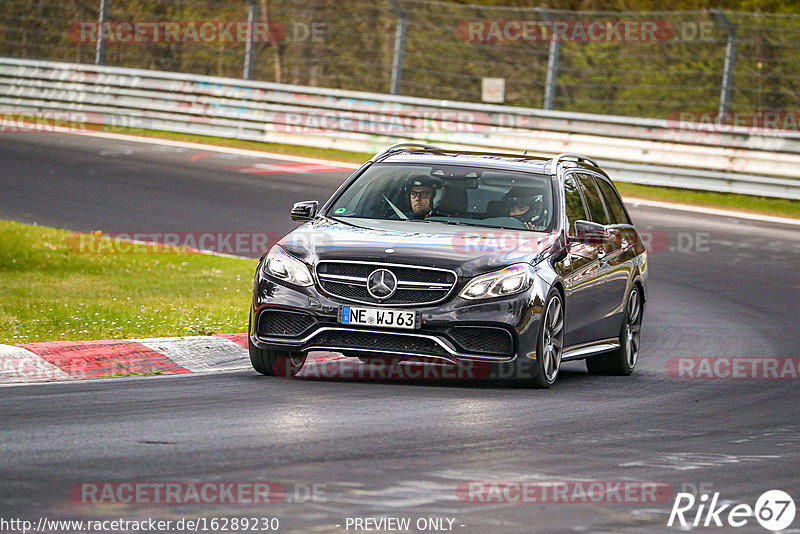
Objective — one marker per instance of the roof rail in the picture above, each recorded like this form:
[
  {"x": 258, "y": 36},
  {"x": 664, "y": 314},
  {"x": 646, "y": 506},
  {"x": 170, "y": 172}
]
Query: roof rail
[
  {"x": 569, "y": 157},
  {"x": 402, "y": 146}
]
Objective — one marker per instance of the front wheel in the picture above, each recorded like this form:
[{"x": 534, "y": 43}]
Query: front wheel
[
  {"x": 276, "y": 362},
  {"x": 550, "y": 345},
  {"x": 543, "y": 371},
  {"x": 622, "y": 361}
]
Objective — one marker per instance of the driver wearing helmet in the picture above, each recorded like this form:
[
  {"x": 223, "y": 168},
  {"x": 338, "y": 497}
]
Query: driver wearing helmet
[
  {"x": 421, "y": 191},
  {"x": 525, "y": 205}
]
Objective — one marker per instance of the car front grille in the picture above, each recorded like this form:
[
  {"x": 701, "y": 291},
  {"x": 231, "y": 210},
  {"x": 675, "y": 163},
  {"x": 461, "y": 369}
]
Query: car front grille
[
  {"x": 481, "y": 340},
  {"x": 280, "y": 323},
  {"x": 415, "y": 285}
]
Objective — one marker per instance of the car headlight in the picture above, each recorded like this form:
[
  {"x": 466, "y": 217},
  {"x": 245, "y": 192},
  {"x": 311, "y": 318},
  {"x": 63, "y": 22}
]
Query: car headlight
[
  {"x": 282, "y": 266},
  {"x": 514, "y": 279}
]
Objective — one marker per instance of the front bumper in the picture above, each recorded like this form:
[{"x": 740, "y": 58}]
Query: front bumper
[{"x": 291, "y": 318}]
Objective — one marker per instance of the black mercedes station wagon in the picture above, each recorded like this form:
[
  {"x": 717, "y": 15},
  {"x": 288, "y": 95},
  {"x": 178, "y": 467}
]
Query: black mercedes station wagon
[{"x": 514, "y": 263}]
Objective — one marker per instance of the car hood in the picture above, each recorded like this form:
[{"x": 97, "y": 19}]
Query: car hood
[{"x": 467, "y": 250}]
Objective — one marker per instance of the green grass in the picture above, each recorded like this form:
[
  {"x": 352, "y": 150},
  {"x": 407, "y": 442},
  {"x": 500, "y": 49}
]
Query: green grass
[
  {"x": 768, "y": 206},
  {"x": 49, "y": 290}
]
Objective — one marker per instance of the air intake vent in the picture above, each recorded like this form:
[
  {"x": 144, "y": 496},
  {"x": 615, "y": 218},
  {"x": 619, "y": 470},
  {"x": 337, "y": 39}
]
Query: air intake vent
[
  {"x": 279, "y": 323},
  {"x": 483, "y": 340}
]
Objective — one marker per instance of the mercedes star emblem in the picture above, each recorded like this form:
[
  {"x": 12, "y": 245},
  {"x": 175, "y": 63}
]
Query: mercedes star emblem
[{"x": 382, "y": 284}]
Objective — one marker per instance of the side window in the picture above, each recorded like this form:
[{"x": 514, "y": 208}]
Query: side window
[
  {"x": 574, "y": 204},
  {"x": 618, "y": 214},
  {"x": 593, "y": 201}
]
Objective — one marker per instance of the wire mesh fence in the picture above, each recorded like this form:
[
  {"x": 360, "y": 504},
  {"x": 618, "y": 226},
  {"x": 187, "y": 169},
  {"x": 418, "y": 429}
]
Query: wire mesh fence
[{"x": 649, "y": 64}]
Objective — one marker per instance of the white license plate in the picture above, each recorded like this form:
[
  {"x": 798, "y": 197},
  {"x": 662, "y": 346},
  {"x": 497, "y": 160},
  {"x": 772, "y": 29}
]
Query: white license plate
[{"x": 376, "y": 317}]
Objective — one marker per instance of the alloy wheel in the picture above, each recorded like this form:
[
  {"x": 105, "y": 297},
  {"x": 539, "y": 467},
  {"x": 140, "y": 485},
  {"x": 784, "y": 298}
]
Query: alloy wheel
[
  {"x": 552, "y": 338},
  {"x": 633, "y": 328}
]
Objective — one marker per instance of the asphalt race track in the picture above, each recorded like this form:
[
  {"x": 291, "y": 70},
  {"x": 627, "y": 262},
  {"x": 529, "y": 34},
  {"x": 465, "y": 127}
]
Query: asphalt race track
[{"x": 719, "y": 287}]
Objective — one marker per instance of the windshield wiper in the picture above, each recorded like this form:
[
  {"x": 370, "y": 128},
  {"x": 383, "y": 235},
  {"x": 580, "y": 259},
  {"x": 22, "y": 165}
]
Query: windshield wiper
[
  {"x": 456, "y": 223},
  {"x": 463, "y": 223}
]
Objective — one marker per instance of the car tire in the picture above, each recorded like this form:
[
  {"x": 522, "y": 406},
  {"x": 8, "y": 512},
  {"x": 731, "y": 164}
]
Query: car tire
[
  {"x": 274, "y": 362},
  {"x": 542, "y": 372},
  {"x": 622, "y": 361},
  {"x": 550, "y": 341}
]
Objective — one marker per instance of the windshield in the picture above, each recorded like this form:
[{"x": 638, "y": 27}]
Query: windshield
[{"x": 475, "y": 196}]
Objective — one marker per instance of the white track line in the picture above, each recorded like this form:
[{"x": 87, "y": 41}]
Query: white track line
[
  {"x": 270, "y": 155},
  {"x": 712, "y": 211},
  {"x": 214, "y": 148}
]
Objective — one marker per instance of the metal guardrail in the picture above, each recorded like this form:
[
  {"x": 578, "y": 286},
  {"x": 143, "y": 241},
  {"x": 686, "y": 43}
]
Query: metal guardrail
[{"x": 645, "y": 151}]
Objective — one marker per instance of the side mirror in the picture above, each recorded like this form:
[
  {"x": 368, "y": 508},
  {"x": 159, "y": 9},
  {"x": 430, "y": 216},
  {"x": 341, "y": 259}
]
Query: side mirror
[
  {"x": 304, "y": 211},
  {"x": 589, "y": 232}
]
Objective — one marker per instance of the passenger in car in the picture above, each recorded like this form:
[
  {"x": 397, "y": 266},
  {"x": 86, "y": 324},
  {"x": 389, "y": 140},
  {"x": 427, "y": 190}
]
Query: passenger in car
[{"x": 525, "y": 205}]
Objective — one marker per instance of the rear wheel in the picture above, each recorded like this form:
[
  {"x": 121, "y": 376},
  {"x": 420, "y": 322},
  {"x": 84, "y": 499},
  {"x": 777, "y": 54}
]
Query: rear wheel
[{"x": 622, "y": 361}]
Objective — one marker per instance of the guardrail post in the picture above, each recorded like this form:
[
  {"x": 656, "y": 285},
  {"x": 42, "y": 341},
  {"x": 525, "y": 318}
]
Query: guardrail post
[
  {"x": 399, "y": 46},
  {"x": 730, "y": 62},
  {"x": 100, "y": 54},
  {"x": 552, "y": 64},
  {"x": 248, "y": 51}
]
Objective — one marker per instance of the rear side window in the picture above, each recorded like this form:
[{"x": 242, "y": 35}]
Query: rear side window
[
  {"x": 593, "y": 201},
  {"x": 574, "y": 204},
  {"x": 618, "y": 214}
]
